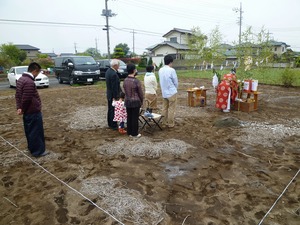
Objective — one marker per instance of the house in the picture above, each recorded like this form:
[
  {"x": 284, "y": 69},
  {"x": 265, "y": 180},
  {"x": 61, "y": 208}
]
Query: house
[
  {"x": 50, "y": 55},
  {"x": 279, "y": 48},
  {"x": 31, "y": 51},
  {"x": 176, "y": 42},
  {"x": 66, "y": 54}
]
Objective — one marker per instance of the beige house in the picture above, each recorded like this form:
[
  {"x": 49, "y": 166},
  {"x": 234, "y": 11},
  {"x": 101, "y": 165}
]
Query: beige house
[
  {"x": 176, "y": 42},
  {"x": 31, "y": 51},
  {"x": 279, "y": 47}
]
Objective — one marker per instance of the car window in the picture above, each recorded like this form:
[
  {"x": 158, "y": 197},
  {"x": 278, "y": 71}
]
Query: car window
[
  {"x": 106, "y": 64},
  {"x": 84, "y": 61},
  {"x": 21, "y": 70},
  {"x": 101, "y": 63},
  {"x": 122, "y": 63}
]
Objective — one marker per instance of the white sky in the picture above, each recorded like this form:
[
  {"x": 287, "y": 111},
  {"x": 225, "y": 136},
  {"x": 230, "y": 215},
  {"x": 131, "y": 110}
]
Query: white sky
[{"x": 149, "y": 18}]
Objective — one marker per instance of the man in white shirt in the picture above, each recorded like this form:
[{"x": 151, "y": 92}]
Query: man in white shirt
[{"x": 169, "y": 84}]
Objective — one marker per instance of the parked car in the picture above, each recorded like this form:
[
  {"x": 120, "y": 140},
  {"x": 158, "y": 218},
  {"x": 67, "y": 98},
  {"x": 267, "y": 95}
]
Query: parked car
[
  {"x": 76, "y": 69},
  {"x": 104, "y": 64},
  {"x": 16, "y": 72}
]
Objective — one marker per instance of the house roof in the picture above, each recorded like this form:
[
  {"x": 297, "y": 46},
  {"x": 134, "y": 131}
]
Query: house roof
[
  {"x": 66, "y": 54},
  {"x": 183, "y": 31},
  {"x": 278, "y": 43},
  {"x": 27, "y": 47},
  {"x": 171, "y": 44},
  {"x": 51, "y": 54}
]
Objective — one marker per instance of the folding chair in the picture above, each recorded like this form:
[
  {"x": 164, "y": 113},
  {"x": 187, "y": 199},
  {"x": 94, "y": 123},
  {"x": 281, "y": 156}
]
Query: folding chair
[{"x": 151, "y": 122}]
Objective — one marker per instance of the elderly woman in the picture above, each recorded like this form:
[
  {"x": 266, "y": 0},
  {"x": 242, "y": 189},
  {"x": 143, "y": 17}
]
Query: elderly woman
[
  {"x": 133, "y": 100},
  {"x": 227, "y": 91}
]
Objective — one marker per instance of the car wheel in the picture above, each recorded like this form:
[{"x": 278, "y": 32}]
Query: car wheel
[
  {"x": 59, "y": 80},
  {"x": 72, "y": 81}
]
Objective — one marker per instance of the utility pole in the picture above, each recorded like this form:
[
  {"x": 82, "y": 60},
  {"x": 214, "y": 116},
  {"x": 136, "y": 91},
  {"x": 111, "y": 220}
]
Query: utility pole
[
  {"x": 107, "y": 13},
  {"x": 96, "y": 47},
  {"x": 240, "y": 21},
  {"x": 75, "y": 48},
  {"x": 240, "y": 30},
  {"x": 133, "y": 42}
]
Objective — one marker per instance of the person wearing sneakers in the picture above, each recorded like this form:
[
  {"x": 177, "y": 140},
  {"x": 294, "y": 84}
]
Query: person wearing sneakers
[
  {"x": 29, "y": 105},
  {"x": 120, "y": 113},
  {"x": 133, "y": 100}
]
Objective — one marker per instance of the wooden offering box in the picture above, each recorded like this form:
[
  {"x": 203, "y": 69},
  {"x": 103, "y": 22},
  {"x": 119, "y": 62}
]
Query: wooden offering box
[
  {"x": 244, "y": 106},
  {"x": 196, "y": 97},
  {"x": 248, "y": 104}
]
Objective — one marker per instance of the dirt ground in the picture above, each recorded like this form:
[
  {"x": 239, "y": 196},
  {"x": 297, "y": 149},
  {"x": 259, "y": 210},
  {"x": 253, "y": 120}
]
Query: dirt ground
[{"x": 212, "y": 168}]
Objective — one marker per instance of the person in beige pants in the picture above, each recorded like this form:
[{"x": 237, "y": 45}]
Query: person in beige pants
[{"x": 168, "y": 83}]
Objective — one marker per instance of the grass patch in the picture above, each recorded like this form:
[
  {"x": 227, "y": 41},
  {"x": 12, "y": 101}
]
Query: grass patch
[{"x": 263, "y": 75}]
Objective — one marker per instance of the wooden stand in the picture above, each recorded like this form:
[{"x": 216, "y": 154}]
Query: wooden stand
[
  {"x": 248, "y": 104},
  {"x": 196, "y": 97}
]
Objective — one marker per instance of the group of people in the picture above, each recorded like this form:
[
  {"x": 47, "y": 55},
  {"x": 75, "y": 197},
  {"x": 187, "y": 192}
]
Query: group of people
[{"x": 125, "y": 105}]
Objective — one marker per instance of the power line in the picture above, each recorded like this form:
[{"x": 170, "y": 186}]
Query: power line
[
  {"x": 51, "y": 23},
  {"x": 79, "y": 25},
  {"x": 179, "y": 12}
]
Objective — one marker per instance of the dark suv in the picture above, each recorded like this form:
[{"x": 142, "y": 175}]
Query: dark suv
[{"x": 104, "y": 64}]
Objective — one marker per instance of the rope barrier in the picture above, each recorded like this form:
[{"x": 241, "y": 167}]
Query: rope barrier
[
  {"x": 279, "y": 197},
  {"x": 73, "y": 189}
]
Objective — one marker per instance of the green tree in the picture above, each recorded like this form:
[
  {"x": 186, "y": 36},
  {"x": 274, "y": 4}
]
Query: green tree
[
  {"x": 12, "y": 55},
  {"x": 288, "y": 56},
  {"x": 92, "y": 52},
  {"x": 256, "y": 45},
  {"x": 297, "y": 62},
  {"x": 118, "y": 53},
  {"x": 204, "y": 47},
  {"x": 124, "y": 47},
  {"x": 143, "y": 62},
  {"x": 150, "y": 61},
  {"x": 214, "y": 50}
]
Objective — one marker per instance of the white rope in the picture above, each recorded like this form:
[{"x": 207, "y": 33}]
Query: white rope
[
  {"x": 73, "y": 189},
  {"x": 279, "y": 197}
]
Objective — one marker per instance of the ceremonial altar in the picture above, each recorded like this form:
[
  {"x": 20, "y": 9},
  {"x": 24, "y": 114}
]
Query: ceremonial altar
[
  {"x": 248, "y": 103},
  {"x": 197, "y": 97}
]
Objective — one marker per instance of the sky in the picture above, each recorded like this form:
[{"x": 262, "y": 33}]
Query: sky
[{"x": 63, "y": 26}]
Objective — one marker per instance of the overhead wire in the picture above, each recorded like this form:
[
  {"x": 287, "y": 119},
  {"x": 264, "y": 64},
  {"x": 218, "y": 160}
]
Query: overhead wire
[{"x": 172, "y": 10}]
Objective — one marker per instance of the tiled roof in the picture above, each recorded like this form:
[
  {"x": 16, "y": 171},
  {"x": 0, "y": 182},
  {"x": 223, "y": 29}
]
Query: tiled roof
[
  {"x": 183, "y": 31},
  {"x": 278, "y": 43},
  {"x": 27, "y": 47},
  {"x": 171, "y": 44}
]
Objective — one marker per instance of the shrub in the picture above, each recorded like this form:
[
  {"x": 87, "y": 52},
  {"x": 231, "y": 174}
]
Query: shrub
[
  {"x": 288, "y": 77},
  {"x": 143, "y": 62}
]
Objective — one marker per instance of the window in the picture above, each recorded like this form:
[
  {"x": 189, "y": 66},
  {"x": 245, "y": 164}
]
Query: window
[
  {"x": 173, "y": 39},
  {"x": 282, "y": 49},
  {"x": 275, "y": 49}
]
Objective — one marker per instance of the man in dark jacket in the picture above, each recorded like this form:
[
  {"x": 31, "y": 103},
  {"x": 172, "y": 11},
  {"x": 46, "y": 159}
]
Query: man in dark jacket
[
  {"x": 29, "y": 105},
  {"x": 112, "y": 91}
]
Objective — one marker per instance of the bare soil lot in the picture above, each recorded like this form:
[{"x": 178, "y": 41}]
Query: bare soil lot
[{"x": 212, "y": 168}]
